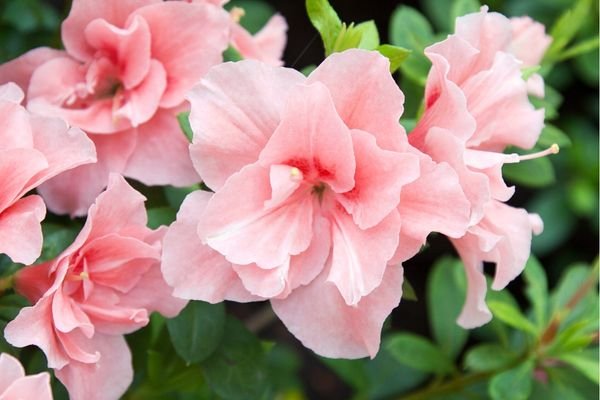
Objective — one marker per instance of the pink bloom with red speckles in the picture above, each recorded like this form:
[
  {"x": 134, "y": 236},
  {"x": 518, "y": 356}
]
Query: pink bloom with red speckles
[
  {"x": 15, "y": 385},
  {"x": 311, "y": 179},
  {"x": 476, "y": 106},
  {"x": 102, "y": 286},
  {"x": 33, "y": 149}
]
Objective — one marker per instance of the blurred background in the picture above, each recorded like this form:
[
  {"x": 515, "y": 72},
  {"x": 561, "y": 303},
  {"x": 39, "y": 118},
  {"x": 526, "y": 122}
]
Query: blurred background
[{"x": 564, "y": 191}]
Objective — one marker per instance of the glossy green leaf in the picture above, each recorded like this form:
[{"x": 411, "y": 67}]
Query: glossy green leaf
[
  {"x": 586, "y": 362},
  {"x": 488, "y": 357},
  {"x": 534, "y": 173},
  {"x": 176, "y": 195},
  {"x": 56, "y": 239},
  {"x": 350, "y": 371},
  {"x": 567, "y": 26},
  {"x": 411, "y": 30},
  {"x": 237, "y": 369},
  {"x": 369, "y": 36},
  {"x": 551, "y": 205},
  {"x": 10, "y": 305},
  {"x": 419, "y": 353},
  {"x": 512, "y": 316},
  {"x": 160, "y": 216},
  {"x": 395, "y": 54},
  {"x": 197, "y": 330},
  {"x": 551, "y": 135},
  {"x": 184, "y": 124},
  {"x": 408, "y": 291},
  {"x": 550, "y": 103},
  {"x": 230, "y": 54},
  {"x": 537, "y": 290},
  {"x": 324, "y": 18},
  {"x": 582, "y": 196},
  {"x": 446, "y": 292},
  {"x": 514, "y": 384},
  {"x": 580, "y": 48}
]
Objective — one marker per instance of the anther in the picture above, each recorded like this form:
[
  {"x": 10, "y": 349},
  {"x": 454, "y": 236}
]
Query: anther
[
  {"x": 554, "y": 149},
  {"x": 237, "y": 13}
]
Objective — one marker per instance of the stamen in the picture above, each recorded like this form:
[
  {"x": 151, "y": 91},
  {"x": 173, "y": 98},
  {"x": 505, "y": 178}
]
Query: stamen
[
  {"x": 554, "y": 149},
  {"x": 237, "y": 13},
  {"x": 295, "y": 174},
  {"x": 82, "y": 276}
]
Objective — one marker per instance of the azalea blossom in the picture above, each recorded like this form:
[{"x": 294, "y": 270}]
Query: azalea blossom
[
  {"x": 476, "y": 106},
  {"x": 313, "y": 181},
  {"x": 33, "y": 149},
  {"x": 102, "y": 286},
  {"x": 15, "y": 385},
  {"x": 122, "y": 78}
]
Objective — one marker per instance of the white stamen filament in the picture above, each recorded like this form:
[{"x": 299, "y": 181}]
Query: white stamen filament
[{"x": 554, "y": 149}]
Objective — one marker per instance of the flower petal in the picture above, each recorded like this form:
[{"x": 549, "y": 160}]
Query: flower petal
[{"x": 20, "y": 230}]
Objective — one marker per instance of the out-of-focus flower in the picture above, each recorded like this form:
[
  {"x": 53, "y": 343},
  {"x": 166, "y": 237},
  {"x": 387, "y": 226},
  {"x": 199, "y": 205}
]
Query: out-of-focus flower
[
  {"x": 309, "y": 175},
  {"x": 33, "y": 149},
  {"x": 102, "y": 286},
  {"x": 14, "y": 385},
  {"x": 122, "y": 78}
]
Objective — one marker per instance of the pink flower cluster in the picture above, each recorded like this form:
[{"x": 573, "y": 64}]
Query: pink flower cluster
[
  {"x": 319, "y": 193},
  {"x": 15, "y": 385}
]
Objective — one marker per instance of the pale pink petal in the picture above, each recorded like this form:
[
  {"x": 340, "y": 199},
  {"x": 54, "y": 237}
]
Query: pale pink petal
[
  {"x": 265, "y": 283},
  {"x": 320, "y": 318},
  {"x": 537, "y": 225},
  {"x": 380, "y": 177},
  {"x": 324, "y": 149},
  {"x": 490, "y": 163},
  {"x": 498, "y": 101},
  {"x": 130, "y": 46},
  {"x": 529, "y": 40},
  {"x": 141, "y": 103},
  {"x": 490, "y": 33},
  {"x": 359, "y": 257},
  {"x": 161, "y": 156},
  {"x": 194, "y": 270},
  {"x": 12, "y": 93},
  {"x": 110, "y": 251},
  {"x": 187, "y": 39},
  {"x": 20, "y": 230},
  {"x": 536, "y": 86},
  {"x": 34, "y": 326},
  {"x": 285, "y": 180},
  {"x": 73, "y": 191},
  {"x": 11, "y": 371},
  {"x": 113, "y": 319},
  {"x": 434, "y": 203},
  {"x": 20, "y": 69},
  {"x": 266, "y": 46},
  {"x": 64, "y": 148},
  {"x": 233, "y": 118},
  {"x": 372, "y": 92},
  {"x": 34, "y": 387},
  {"x": 108, "y": 379},
  {"x": 33, "y": 281},
  {"x": 17, "y": 168},
  {"x": 245, "y": 231},
  {"x": 68, "y": 316},
  {"x": 85, "y": 11},
  {"x": 474, "y": 312},
  {"x": 78, "y": 347}
]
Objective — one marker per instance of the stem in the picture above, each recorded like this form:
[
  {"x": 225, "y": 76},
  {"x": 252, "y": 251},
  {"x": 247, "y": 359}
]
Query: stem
[
  {"x": 260, "y": 320},
  {"x": 449, "y": 387}
]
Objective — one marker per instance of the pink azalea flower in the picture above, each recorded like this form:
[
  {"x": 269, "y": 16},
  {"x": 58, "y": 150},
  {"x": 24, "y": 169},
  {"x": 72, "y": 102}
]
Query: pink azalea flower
[
  {"x": 476, "y": 106},
  {"x": 314, "y": 179},
  {"x": 33, "y": 149},
  {"x": 15, "y": 385},
  {"x": 102, "y": 286},
  {"x": 122, "y": 79}
]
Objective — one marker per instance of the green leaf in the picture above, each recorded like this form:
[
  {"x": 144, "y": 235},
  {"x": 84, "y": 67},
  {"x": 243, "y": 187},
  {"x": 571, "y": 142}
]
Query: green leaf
[
  {"x": 512, "y": 316},
  {"x": 535, "y": 173},
  {"x": 446, "y": 292},
  {"x": 580, "y": 48},
  {"x": 551, "y": 205},
  {"x": 488, "y": 357},
  {"x": 159, "y": 216},
  {"x": 583, "y": 197},
  {"x": 566, "y": 27},
  {"x": 514, "y": 384},
  {"x": 419, "y": 353},
  {"x": 527, "y": 72},
  {"x": 350, "y": 371},
  {"x": 369, "y": 36},
  {"x": 56, "y": 239},
  {"x": 550, "y": 103},
  {"x": 537, "y": 290},
  {"x": 411, "y": 30},
  {"x": 256, "y": 13},
  {"x": 230, "y": 54},
  {"x": 408, "y": 291},
  {"x": 184, "y": 124},
  {"x": 395, "y": 54},
  {"x": 237, "y": 369},
  {"x": 306, "y": 71},
  {"x": 176, "y": 195},
  {"x": 551, "y": 135},
  {"x": 463, "y": 7},
  {"x": 197, "y": 330},
  {"x": 324, "y": 18},
  {"x": 585, "y": 361},
  {"x": 10, "y": 305}
]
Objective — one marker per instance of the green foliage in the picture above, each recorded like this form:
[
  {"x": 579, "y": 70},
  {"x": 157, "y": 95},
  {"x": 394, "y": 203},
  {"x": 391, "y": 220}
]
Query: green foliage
[
  {"x": 419, "y": 353},
  {"x": 446, "y": 292},
  {"x": 197, "y": 330},
  {"x": 184, "y": 124},
  {"x": 534, "y": 173},
  {"x": 513, "y": 384}
]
